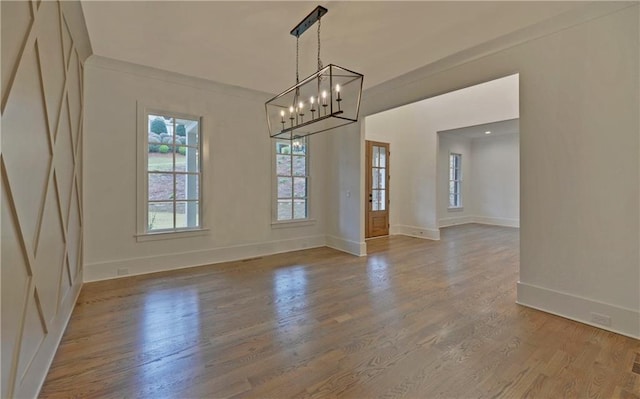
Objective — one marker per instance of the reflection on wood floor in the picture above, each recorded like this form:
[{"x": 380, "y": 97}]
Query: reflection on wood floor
[{"x": 414, "y": 319}]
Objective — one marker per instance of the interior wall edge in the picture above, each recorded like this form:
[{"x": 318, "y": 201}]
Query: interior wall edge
[
  {"x": 345, "y": 245},
  {"x": 75, "y": 18}
]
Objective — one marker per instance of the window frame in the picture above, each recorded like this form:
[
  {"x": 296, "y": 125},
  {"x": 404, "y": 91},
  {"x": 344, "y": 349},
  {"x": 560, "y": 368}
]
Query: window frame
[
  {"x": 308, "y": 220},
  {"x": 142, "y": 184},
  {"x": 458, "y": 205}
]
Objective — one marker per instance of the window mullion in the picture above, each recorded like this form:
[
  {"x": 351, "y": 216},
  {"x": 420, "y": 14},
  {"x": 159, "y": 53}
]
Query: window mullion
[
  {"x": 293, "y": 187},
  {"x": 174, "y": 197},
  {"x": 146, "y": 190},
  {"x": 175, "y": 177}
]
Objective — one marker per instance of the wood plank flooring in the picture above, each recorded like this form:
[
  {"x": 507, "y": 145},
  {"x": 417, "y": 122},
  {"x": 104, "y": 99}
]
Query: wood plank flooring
[{"x": 414, "y": 319}]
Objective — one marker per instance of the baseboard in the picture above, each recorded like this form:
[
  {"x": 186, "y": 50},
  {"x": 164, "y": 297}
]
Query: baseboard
[
  {"x": 415, "y": 231},
  {"x": 39, "y": 368},
  {"x": 506, "y": 222},
  {"x": 623, "y": 321},
  {"x": 150, "y": 264},
  {"x": 457, "y": 220},
  {"x": 348, "y": 246}
]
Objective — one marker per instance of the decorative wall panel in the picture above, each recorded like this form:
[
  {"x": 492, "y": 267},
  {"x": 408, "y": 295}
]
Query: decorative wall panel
[{"x": 41, "y": 206}]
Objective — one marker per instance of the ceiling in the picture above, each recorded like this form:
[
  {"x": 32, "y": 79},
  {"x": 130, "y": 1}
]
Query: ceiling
[
  {"x": 499, "y": 128},
  {"x": 248, "y": 44}
]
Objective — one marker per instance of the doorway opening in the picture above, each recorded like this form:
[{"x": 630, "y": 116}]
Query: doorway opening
[{"x": 436, "y": 143}]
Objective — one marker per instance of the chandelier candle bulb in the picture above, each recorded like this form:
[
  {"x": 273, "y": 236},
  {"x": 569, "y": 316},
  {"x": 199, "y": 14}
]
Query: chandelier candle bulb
[
  {"x": 291, "y": 117},
  {"x": 300, "y": 111},
  {"x": 313, "y": 110},
  {"x": 338, "y": 95},
  {"x": 324, "y": 101}
]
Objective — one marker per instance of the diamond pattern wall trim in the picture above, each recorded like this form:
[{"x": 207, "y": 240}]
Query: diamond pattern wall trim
[{"x": 41, "y": 189}]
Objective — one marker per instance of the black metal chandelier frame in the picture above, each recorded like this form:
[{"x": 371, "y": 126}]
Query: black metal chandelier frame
[{"x": 322, "y": 89}]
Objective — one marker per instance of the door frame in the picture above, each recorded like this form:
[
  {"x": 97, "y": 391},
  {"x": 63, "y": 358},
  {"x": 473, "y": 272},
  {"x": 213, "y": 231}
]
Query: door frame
[{"x": 368, "y": 145}]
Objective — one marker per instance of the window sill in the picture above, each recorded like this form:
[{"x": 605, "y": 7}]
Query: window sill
[
  {"x": 455, "y": 209},
  {"x": 169, "y": 235},
  {"x": 292, "y": 223}
]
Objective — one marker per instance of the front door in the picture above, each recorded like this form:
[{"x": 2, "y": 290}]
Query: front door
[{"x": 377, "y": 189}]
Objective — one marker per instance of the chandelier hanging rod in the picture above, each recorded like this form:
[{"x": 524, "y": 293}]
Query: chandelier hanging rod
[{"x": 308, "y": 21}]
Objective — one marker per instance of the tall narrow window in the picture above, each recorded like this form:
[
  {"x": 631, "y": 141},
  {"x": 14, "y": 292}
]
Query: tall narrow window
[
  {"x": 455, "y": 180},
  {"x": 292, "y": 179},
  {"x": 173, "y": 177}
]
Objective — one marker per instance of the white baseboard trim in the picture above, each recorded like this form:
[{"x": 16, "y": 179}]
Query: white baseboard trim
[
  {"x": 157, "y": 263},
  {"x": 457, "y": 220},
  {"x": 41, "y": 363},
  {"x": 623, "y": 321},
  {"x": 348, "y": 246},
  {"x": 415, "y": 231},
  {"x": 506, "y": 222}
]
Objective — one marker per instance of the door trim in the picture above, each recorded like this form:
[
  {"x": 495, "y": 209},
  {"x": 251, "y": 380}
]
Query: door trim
[{"x": 369, "y": 144}]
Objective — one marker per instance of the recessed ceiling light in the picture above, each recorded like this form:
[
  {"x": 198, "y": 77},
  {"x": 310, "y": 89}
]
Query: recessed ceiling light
[{"x": 487, "y": 132}]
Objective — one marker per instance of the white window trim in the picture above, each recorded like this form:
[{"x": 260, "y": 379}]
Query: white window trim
[
  {"x": 279, "y": 224},
  {"x": 167, "y": 235},
  {"x": 142, "y": 188},
  {"x": 459, "y": 207}
]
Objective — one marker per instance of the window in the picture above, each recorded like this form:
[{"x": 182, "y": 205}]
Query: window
[
  {"x": 378, "y": 177},
  {"x": 455, "y": 180},
  {"x": 292, "y": 180},
  {"x": 172, "y": 173}
]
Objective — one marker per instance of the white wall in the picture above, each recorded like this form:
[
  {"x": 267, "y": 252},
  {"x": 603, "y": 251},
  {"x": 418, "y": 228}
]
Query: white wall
[
  {"x": 393, "y": 130},
  {"x": 448, "y": 143},
  {"x": 345, "y": 212},
  {"x": 413, "y": 133},
  {"x": 43, "y": 49},
  {"x": 237, "y": 180},
  {"x": 579, "y": 131},
  {"x": 491, "y": 179},
  {"x": 495, "y": 180}
]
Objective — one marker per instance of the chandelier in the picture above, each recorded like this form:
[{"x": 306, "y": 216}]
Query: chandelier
[{"x": 325, "y": 100}]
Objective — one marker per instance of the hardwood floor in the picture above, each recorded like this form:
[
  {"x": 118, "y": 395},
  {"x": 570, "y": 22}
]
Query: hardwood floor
[{"x": 414, "y": 319}]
